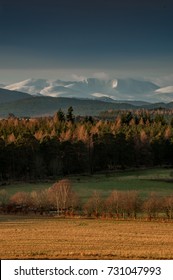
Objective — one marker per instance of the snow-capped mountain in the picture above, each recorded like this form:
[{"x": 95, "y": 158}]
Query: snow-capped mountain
[
  {"x": 31, "y": 86},
  {"x": 116, "y": 89}
]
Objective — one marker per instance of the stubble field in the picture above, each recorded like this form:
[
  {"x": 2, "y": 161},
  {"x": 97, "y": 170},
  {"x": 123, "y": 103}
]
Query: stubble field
[{"x": 56, "y": 238}]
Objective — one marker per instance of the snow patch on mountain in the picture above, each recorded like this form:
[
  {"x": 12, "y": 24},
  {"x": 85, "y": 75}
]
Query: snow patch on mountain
[
  {"x": 168, "y": 89},
  {"x": 114, "y": 83},
  {"x": 31, "y": 86}
]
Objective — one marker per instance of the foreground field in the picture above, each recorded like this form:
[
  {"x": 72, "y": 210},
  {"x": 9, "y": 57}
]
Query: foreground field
[{"x": 55, "y": 238}]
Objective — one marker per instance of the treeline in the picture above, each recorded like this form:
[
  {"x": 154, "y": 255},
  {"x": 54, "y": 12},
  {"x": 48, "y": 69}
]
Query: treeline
[
  {"x": 61, "y": 200},
  {"x": 165, "y": 112},
  {"x": 47, "y": 147}
]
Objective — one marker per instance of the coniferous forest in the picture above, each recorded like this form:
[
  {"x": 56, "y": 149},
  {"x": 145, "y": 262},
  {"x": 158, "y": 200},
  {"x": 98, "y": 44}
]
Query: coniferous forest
[{"x": 64, "y": 144}]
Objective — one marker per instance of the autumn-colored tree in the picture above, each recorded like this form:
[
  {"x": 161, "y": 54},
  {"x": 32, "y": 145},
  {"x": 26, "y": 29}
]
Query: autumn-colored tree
[
  {"x": 2, "y": 159},
  {"x": 44, "y": 147}
]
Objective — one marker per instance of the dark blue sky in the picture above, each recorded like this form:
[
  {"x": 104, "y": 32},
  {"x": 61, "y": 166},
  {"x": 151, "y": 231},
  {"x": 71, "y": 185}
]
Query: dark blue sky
[{"x": 123, "y": 36}]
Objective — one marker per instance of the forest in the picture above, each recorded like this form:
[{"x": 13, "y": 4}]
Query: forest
[{"x": 64, "y": 144}]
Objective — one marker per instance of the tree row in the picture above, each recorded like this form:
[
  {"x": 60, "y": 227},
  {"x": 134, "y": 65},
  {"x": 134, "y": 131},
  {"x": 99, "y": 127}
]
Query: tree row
[{"x": 61, "y": 200}]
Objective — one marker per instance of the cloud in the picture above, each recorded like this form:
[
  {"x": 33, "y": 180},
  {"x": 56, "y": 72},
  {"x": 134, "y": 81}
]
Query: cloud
[
  {"x": 97, "y": 75},
  {"x": 79, "y": 77},
  {"x": 101, "y": 75},
  {"x": 164, "y": 81}
]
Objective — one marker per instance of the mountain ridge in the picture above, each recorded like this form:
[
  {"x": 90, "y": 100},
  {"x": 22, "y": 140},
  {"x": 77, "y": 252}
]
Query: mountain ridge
[
  {"x": 116, "y": 89},
  {"x": 40, "y": 106},
  {"x": 11, "y": 95},
  {"x": 44, "y": 105}
]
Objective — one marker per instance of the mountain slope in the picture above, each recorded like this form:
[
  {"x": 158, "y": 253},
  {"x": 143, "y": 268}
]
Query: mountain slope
[
  {"x": 31, "y": 86},
  {"x": 9, "y": 95},
  {"x": 39, "y": 106}
]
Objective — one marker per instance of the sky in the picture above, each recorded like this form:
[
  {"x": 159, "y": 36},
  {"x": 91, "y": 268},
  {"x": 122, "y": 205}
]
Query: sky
[{"x": 73, "y": 39}]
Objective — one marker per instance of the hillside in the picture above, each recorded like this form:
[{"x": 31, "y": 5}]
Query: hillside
[
  {"x": 9, "y": 95},
  {"x": 38, "y": 106}
]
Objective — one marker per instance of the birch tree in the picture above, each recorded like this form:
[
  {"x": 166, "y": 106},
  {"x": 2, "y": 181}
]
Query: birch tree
[{"x": 60, "y": 195}]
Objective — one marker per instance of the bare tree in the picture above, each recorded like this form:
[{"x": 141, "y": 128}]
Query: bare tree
[
  {"x": 94, "y": 205},
  {"x": 4, "y": 198},
  {"x": 153, "y": 205},
  {"x": 21, "y": 200},
  {"x": 40, "y": 200},
  {"x": 60, "y": 195},
  {"x": 168, "y": 206},
  {"x": 115, "y": 204},
  {"x": 120, "y": 203},
  {"x": 132, "y": 203},
  {"x": 75, "y": 203}
]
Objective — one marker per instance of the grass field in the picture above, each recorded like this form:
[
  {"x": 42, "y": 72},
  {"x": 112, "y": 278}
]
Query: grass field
[
  {"x": 145, "y": 181},
  {"x": 55, "y": 238}
]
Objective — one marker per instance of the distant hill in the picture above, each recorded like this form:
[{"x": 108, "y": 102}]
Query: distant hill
[
  {"x": 9, "y": 95},
  {"x": 39, "y": 106},
  {"x": 132, "y": 102}
]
